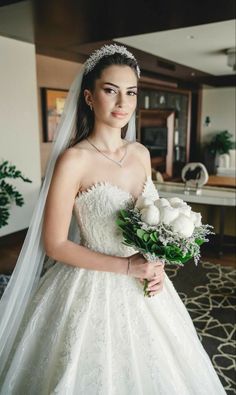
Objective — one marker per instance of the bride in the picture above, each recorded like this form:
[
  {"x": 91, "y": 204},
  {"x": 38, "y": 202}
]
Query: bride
[{"x": 84, "y": 327}]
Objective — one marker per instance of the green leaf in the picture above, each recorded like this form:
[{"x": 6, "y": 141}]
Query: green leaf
[
  {"x": 154, "y": 236},
  {"x": 120, "y": 222},
  {"x": 199, "y": 241},
  {"x": 139, "y": 242},
  {"x": 128, "y": 241},
  {"x": 146, "y": 237},
  {"x": 123, "y": 214},
  {"x": 4, "y": 215},
  {"x": 149, "y": 243},
  {"x": 140, "y": 233},
  {"x": 186, "y": 258}
]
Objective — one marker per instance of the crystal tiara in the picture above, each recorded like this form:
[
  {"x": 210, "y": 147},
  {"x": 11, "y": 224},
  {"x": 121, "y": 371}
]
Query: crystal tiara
[{"x": 107, "y": 50}]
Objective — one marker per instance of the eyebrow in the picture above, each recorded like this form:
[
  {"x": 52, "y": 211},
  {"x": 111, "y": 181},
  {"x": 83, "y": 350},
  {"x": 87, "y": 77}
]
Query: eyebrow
[{"x": 116, "y": 86}]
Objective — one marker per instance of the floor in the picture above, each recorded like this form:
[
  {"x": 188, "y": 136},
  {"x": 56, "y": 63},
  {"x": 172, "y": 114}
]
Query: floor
[
  {"x": 10, "y": 247},
  {"x": 207, "y": 290}
]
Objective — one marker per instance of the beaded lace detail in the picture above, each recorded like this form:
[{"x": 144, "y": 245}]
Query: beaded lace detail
[{"x": 88, "y": 332}]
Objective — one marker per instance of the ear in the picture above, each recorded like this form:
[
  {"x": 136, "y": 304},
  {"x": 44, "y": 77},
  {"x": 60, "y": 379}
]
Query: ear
[{"x": 88, "y": 97}]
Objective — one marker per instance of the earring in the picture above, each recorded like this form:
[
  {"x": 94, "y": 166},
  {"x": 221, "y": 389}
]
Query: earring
[{"x": 91, "y": 106}]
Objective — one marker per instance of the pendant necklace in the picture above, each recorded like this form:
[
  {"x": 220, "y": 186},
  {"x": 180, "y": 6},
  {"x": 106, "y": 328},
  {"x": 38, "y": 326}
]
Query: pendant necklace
[{"x": 119, "y": 162}]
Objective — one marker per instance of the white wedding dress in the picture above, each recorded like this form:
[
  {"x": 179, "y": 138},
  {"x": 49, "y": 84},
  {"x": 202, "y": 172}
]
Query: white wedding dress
[{"x": 88, "y": 332}]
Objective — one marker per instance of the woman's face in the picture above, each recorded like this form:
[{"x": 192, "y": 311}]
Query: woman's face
[{"x": 114, "y": 98}]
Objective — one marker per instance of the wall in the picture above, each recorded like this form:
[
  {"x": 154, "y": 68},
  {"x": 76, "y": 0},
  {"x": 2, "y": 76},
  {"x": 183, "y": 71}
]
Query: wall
[
  {"x": 52, "y": 73},
  {"x": 219, "y": 104},
  {"x": 19, "y": 129}
]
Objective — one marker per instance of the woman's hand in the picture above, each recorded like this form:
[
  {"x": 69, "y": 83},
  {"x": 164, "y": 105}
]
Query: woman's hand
[
  {"x": 155, "y": 285},
  {"x": 153, "y": 272}
]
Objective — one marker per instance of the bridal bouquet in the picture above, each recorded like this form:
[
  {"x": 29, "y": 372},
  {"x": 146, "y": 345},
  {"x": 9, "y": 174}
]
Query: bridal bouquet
[{"x": 164, "y": 229}]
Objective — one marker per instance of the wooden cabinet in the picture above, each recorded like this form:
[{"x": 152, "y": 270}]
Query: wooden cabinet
[
  {"x": 163, "y": 124},
  {"x": 156, "y": 132}
]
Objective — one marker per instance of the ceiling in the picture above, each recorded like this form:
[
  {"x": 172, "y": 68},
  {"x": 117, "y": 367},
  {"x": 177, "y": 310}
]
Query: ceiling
[
  {"x": 157, "y": 30},
  {"x": 16, "y": 20},
  {"x": 201, "y": 47}
]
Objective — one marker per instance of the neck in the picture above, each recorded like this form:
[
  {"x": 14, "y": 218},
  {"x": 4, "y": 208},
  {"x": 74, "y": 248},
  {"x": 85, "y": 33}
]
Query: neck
[{"x": 106, "y": 138}]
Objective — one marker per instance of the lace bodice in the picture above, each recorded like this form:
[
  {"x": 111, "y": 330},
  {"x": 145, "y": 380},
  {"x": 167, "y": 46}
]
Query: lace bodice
[{"x": 96, "y": 210}]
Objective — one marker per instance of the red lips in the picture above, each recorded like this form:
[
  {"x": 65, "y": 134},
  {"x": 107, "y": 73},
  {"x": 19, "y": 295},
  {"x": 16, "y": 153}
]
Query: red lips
[{"x": 119, "y": 114}]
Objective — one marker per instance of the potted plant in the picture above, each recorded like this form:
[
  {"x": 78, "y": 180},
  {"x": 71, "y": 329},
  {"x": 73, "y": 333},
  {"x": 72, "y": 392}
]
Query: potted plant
[
  {"x": 8, "y": 193},
  {"x": 221, "y": 143}
]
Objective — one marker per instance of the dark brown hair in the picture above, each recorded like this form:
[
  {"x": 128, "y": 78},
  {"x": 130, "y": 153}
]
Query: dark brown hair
[{"x": 85, "y": 117}]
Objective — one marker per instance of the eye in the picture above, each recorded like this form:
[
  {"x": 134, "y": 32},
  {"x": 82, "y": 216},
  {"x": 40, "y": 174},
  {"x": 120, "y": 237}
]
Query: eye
[
  {"x": 132, "y": 93},
  {"x": 110, "y": 90}
]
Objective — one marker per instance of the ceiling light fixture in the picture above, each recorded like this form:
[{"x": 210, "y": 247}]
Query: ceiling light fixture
[{"x": 231, "y": 58}]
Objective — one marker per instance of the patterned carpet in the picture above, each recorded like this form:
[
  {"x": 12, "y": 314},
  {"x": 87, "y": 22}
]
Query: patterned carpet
[{"x": 208, "y": 292}]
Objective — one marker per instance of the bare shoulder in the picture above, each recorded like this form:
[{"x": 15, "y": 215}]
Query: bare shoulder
[
  {"x": 70, "y": 167},
  {"x": 141, "y": 150},
  {"x": 143, "y": 154},
  {"x": 72, "y": 158}
]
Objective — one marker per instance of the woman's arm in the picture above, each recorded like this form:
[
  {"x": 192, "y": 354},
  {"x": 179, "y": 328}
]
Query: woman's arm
[{"x": 57, "y": 216}]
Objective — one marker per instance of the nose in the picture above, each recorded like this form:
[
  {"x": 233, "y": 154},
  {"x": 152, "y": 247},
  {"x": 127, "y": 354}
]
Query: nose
[{"x": 121, "y": 100}]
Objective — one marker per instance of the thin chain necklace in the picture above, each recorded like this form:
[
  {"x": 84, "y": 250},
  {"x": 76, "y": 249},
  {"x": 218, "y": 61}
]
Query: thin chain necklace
[{"x": 119, "y": 162}]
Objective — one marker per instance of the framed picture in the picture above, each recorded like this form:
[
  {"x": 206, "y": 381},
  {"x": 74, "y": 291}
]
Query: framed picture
[{"x": 53, "y": 101}]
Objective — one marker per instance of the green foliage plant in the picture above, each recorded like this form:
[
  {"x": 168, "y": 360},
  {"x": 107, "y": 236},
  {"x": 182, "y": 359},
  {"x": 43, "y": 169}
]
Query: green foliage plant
[
  {"x": 8, "y": 193},
  {"x": 221, "y": 143}
]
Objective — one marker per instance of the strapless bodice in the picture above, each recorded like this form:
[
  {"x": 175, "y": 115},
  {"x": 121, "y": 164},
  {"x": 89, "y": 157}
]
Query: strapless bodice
[{"x": 96, "y": 210}]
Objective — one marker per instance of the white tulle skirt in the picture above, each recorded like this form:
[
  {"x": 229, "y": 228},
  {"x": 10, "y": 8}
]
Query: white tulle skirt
[{"x": 89, "y": 332}]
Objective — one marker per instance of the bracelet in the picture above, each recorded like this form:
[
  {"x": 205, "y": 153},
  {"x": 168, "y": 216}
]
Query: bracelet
[{"x": 129, "y": 262}]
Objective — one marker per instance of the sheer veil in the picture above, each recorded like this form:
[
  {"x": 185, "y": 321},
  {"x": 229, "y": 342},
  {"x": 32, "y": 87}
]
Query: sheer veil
[{"x": 26, "y": 275}]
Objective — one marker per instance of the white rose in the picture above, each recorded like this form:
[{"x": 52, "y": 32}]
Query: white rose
[
  {"x": 175, "y": 200},
  {"x": 162, "y": 202},
  {"x": 143, "y": 202},
  {"x": 196, "y": 218},
  {"x": 182, "y": 206},
  {"x": 183, "y": 225},
  {"x": 184, "y": 209},
  {"x": 169, "y": 214},
  {"x": 150, "y": 215}
]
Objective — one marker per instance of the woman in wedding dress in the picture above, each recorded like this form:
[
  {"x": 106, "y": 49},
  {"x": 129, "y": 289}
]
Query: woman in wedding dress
[{"x": 87, "y": 328}]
